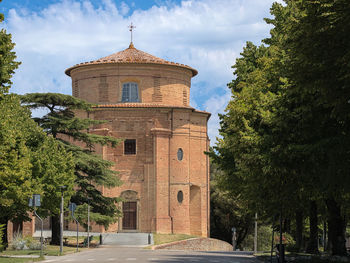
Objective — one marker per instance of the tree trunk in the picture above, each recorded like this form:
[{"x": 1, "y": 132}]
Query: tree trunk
[
  {"x": 55, "y": 227},
  {"x": 287, "y": 225},
  {"x": 325, "y": 243},
  {"x": 336, "y": 226},
  {"x": 313, "y": 242},
  {"x": 4, "y": 221},
  {"x": 299, "y": 221}
]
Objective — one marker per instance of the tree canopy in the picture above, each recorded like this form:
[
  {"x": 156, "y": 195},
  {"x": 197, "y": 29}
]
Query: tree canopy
[
  {"x": 285, "y": 145},
  {"x": 31, "y": 162},
  {"x": 91, "y": 171},
  {"x": 7, "y": 59}
]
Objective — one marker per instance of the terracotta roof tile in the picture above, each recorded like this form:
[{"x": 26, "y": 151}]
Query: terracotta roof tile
[
  {"x": 141, "y": 105},
  {"x": 147, "y": 105},
  {"x": 131, "y": 55}
]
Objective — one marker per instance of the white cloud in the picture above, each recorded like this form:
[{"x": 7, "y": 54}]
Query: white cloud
[
  {"x": 205, "y": 34},
  {"x": 216, "y": 104},
  {"x": 124, "y": 8}
]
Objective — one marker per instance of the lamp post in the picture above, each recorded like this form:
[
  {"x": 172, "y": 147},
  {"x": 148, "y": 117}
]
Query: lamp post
[
  {"x": 256, "y": 234},
  {"x": 36, "y": 202},
  {"x": 62, "y": 188},
  {"x": 72, "y": 207},
  {"x": 88, "y": 224},
  {"x": 234, "y": 238}
]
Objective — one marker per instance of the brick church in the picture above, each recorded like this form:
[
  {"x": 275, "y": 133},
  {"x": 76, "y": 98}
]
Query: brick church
[
  {"x": 161, "y": 161},
  {"x": 145, "y": 100}
]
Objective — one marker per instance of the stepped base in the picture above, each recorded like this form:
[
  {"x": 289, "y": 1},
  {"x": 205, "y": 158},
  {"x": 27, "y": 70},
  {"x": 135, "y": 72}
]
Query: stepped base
[{"x": 126, "y": 239}]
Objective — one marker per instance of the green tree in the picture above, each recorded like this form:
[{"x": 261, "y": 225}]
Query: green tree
[
  {"x": 92, "y": 172},
  {"x": 52, "y": 167},
  {"x": 17, "y": 183},
  {"x": 243, "y": 152},
  {"x": 227, "y": 211},
  {"x": 31, "y": 163},
  {"x": 312, "y": 35},
  {"x": 7, "y": 59},
  {"x": 285, "y": 140},
  {"x": 2, "y": 227},
  {"x": 81, "y": 214},
  {"x": 29, "y": 158}
]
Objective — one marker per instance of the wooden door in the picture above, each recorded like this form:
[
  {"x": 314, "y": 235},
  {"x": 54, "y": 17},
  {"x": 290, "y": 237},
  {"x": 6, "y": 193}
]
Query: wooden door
[{"x": 129, "y": 215}]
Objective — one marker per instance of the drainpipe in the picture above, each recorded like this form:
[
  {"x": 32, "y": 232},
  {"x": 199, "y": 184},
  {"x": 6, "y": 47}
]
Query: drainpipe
[
  {"x": 208, "y": 186},
  {"x": 169, "y": 170}
]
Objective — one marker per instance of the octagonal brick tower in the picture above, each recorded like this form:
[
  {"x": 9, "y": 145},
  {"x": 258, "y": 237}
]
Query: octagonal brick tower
[{"x": 145, "y": 100}]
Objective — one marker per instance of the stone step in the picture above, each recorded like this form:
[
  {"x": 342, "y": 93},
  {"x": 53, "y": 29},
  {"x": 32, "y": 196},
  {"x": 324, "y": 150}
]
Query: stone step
[
  {"x": 123, "y": 239},
  {"x": 126, "y": 239}
]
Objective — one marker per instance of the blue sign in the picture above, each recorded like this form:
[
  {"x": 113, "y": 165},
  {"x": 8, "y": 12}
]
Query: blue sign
[
  {"x": 35, "y": 201},
  {"x": 72, "y": 207}
]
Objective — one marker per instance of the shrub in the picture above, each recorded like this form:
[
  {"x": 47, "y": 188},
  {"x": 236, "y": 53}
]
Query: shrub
[
  {"x": 18, "y": 242},
  {"x": 35, "y": 245},
  {"x": 32, "y": 243},
  {"x": 22, "y": 243},
  {"x": 2, "y": 227},
  {"x": 264, "y": 239}
]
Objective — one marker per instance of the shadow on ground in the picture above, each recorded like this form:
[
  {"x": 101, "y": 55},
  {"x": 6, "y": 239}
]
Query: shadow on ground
[{"x": 232, "y": 257}]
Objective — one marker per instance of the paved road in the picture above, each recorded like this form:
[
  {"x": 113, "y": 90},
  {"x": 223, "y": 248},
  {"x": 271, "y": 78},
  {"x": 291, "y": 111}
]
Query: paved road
[{"x": 139, "y": 255}]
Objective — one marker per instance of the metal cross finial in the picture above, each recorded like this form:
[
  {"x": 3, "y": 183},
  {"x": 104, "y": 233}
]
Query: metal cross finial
[{"x": 131, "y": 27}]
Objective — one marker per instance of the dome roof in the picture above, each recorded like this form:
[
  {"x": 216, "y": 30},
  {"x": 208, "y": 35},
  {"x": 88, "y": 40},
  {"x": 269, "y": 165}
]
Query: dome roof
[{"x": 131, "y": 55}]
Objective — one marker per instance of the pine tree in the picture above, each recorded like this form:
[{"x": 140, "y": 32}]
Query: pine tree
[{"x": 92, "y": 172}]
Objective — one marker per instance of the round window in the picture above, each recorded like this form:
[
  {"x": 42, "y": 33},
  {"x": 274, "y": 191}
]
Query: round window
[
  {"x": 180, "y": 196},
  {"x": 180, "y": 154}
]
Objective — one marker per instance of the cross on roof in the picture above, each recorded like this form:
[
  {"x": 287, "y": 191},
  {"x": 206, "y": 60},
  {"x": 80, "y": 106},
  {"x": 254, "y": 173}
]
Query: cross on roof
[{"x": 131, "y": 27}]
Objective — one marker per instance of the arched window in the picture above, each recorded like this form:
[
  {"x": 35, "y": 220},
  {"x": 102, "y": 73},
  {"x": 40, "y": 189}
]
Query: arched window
[{"x": 130, "y": 92}]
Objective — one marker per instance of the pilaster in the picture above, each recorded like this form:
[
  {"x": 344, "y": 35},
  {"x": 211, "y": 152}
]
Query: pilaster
[{"x": 161, "y": 143}]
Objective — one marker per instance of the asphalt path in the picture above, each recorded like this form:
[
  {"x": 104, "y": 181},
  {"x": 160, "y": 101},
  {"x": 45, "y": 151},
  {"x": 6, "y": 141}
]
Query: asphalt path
[{"x": 133, "y": 254}]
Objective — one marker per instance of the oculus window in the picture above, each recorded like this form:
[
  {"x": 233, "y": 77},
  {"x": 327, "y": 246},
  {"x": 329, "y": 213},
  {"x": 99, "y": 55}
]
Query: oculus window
[
  {"x": 130, "y": 146},
  {"x": 130, "y": 92},
  {"x": 180, "y": 154}
]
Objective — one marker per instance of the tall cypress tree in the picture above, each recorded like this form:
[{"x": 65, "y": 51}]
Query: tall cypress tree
[{"x": 92, "y": 172}]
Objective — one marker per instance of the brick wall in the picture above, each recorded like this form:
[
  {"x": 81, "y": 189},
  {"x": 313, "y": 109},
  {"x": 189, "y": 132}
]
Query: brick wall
[
  {"x": 162, "y": 84},
  {"x": 154, "y": 172}
]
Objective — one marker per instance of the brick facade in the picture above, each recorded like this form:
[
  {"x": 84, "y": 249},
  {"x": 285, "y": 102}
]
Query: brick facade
[
  {"x": 162, "y": 123},
  {"x": 26, "y": 228}
]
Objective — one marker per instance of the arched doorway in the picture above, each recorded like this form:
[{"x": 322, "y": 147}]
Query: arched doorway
[
  {"x": 129, "y": 221},
  {"x": 195, "y": 211}
]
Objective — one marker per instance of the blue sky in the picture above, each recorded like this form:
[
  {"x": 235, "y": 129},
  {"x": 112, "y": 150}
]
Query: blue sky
[
  {"x": 208, "y": 35},
  {"x": 37, "y": 5}
]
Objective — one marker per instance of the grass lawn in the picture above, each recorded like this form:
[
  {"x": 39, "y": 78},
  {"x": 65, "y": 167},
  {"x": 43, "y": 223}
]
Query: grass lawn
[
  {"x": 18, "y": 260},
  {"x": 167, "y": 238},
  {"x": 48, "y": 251}
]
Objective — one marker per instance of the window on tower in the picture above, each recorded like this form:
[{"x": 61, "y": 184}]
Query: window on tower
[
  {"x": 130, "y": 92},
  {"x": 130, "y": 146}
]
